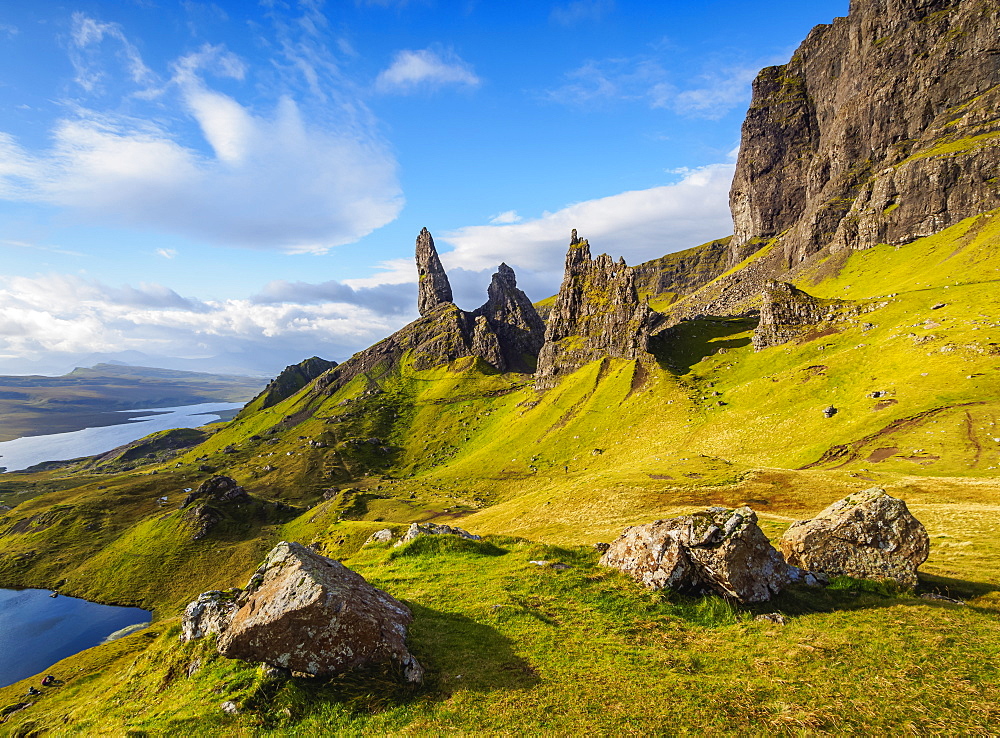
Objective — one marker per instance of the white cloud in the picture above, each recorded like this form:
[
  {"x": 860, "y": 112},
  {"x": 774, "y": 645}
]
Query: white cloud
[
  {"x": 306, "y": 175},
  {"x": 65, "y": 315},
  {"x": 425, "y": 68},
  {"x": 274, "y": 182},
  {"x": 167, "y": 253},
  {"x": 507, "y": 216},
  {"x": 639, "y": 225},
  {"x": 580, "y": 11}
]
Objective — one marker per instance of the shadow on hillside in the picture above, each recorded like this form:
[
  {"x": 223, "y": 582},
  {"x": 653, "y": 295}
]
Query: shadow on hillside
[
  {"x": 681, "y": 346},
  {"x": 858, "y": 594},
  {"x": 461, "y": 653}
]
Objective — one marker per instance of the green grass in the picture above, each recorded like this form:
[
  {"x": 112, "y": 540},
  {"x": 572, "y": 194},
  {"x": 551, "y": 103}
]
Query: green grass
[{"x": 514, "y": 648}]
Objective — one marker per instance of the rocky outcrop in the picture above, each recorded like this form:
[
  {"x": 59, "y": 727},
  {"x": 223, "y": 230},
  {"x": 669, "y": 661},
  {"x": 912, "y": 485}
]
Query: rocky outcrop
[
  {"x": 506, "y": 332},
  {"x": 433, "y": 529},
  {"x": 597, "y": 314},
  {"x": 867, "y": 535},
  {"x": 291, "y": 380},
  {"x": 208, "y": 502},
  {"x": 512, "y": 318},
  {"x": 433, "y": 288},
  {"x": 681, "y": 273},
  {"x": 785, "y": 310},
  {"x": 883, "y": 127},
  {"x": 718, "y": 551},
  {"x": 209, "y": 614},
  {"x": 306, "y": 613}
]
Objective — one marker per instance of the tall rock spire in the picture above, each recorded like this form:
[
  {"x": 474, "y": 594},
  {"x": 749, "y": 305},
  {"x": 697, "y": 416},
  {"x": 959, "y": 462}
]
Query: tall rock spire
[
  {"x": 433, "y": 286},
  {"x": 517, "y": 325}
]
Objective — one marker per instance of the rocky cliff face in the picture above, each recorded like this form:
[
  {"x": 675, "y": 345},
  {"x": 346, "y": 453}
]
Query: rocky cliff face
[
  {"x": 506, "y": 331},
  {"x": 597, "y": 314},
  {"x": 291, "y": 380},
  {"x": 433, "y": 287},
  {"x": 682, "y": 272},
  {"x": 514, "y": 321},
  {"x": 883, "y": 127}
]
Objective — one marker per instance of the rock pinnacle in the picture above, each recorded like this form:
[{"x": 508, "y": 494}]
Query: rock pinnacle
[{"x": 433, "y": 286}]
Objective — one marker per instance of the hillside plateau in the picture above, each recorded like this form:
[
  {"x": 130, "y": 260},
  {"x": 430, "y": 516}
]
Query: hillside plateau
[{"x": 782, "y": 369}]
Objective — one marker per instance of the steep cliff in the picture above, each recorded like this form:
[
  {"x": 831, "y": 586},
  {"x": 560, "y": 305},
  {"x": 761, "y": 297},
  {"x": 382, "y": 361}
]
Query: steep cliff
[
  {"x": 597, "y": 314},
  {"x": 682, "y": 272},
  {"x": 883, "y": 127}
]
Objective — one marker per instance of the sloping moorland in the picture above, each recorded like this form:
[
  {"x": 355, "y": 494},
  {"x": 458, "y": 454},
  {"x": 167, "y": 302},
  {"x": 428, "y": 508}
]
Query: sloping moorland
[{"x": 907, "y": 353}]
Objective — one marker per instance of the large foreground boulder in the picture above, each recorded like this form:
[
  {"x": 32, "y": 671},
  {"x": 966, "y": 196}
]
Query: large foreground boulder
[
  {"x": 719, "y": 551},
  {"x": 867, "y": 535},
  {"x": 307, "y": 613}
]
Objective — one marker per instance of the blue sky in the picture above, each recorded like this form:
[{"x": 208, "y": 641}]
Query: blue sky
[{"x": 238, "y": 185}]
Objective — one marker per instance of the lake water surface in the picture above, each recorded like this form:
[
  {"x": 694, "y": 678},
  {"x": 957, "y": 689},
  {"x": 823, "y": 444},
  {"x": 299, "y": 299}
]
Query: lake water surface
[
  {"x": 30, "y": 450},
  {"x": 37, "y": 630}
]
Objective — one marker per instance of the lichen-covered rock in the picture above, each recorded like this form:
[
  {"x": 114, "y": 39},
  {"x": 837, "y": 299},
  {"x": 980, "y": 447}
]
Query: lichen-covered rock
[
  {"x": 433, "y": 529},
  {"x": 433, "y": 287},
  {"x": 379, "y": 536},
  {"x": 718, "y": 551},
  {"x": 597, "y": 314},
  {"x": 867, "y": 535},
  {"x": 208, "y": 614},
  {"x": 307, "y": 613}
]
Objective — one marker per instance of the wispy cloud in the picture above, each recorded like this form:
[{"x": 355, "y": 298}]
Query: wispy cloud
[
  {"x": 508, "y": 216},
  {"x": 39, "y": 247},
  {"x": 711, "y": 93},
  {"x": 86, "y": 36},
  {"x": 167, "y": 253},
  {"x": 249, "y": 182},
  {"x": 413, "y": 70},
  {"x": 580, "y": 11}
]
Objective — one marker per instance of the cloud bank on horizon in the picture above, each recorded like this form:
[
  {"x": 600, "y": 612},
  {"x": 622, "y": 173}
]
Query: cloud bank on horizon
[{"x": 304, "y": 130}]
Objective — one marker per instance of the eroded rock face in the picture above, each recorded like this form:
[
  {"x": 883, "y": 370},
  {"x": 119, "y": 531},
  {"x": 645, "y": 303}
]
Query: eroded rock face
[
  {"x": 518, "y": 327},
  {"x": 785, "y": 310},
  {"x": 433, "y": 529},
  {"x": 291, "y": 380},
  {"x": 506, "y": 332},
  {"x": 597, "y": 314},
  {"x": 433, "y": 287},
  {"x": 304, "y": 612},
  {"x": 881, "y": 129},
  {"x": 718, "y": 551},
  {"x": 213, "y": 494},
  {"x": 208, "y": 614},
  {"x": 867, "y": 535}
]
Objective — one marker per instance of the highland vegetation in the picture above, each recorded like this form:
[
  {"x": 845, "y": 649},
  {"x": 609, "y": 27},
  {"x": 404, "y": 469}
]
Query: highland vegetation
[{"x": 846, "y": 337}]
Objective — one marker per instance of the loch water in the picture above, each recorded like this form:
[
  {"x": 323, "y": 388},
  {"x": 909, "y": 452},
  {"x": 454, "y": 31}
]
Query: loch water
[
  {"x": 30, "y": 450},
  {"x": 37, "y": 630}
]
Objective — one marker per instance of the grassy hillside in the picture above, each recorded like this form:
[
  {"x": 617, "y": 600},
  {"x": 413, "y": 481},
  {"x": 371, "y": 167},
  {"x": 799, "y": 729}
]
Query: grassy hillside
[{"x": 513, "y": 647}]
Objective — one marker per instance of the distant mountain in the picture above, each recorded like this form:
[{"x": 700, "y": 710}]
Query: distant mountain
[{"x": 85, "y": 397}]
